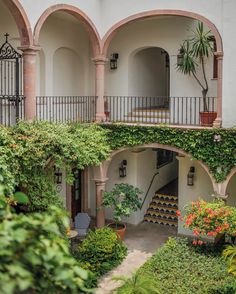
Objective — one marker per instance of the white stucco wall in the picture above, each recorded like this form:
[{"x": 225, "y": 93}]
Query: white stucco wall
[
  {"x": 164, "y": 32},
  {"x": 231, "y": 191},
  {"x": 202, "y": 188},
  {"x": 140, "y": 169}
]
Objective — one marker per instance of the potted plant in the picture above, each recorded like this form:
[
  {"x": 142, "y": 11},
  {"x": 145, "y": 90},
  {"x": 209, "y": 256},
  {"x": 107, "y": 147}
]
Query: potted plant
[
  {"x": 123, "y": 198},
  {"x": 193, "y": 54}
]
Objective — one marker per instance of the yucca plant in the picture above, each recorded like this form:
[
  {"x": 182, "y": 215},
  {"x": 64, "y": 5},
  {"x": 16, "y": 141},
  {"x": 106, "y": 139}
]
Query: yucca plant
[
  {"x": 230, "y": 253},
  {"x": 137, "y": 284},
  {"x": 194, "y": 53}
]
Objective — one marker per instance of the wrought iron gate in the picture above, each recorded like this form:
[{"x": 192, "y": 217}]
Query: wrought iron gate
[{"x": 11, "y": 84}]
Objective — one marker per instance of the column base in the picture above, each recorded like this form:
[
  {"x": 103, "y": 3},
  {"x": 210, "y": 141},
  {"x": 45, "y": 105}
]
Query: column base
[
  {"x": 100, "y": 117},
  {"x": 217, "y": 123}
]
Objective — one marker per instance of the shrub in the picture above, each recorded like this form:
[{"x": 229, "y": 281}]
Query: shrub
[
  {"x": 34, "y": 256},
  {"x": 178, "y": 267},
  {"x": 101, "y": 251},
  {"x": 230, "y": 253},
  {"x": 210, "y": 218}
]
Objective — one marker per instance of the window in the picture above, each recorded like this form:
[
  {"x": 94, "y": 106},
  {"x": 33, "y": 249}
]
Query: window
[{"x": 163, "y": 157}]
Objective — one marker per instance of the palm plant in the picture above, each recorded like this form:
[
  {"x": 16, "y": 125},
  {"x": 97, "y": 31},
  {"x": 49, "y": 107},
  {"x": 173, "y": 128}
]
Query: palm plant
[
  {"x": 194, "y": 52},
  {"x": 230, "y": 252},
  {"x": 138, "y": 284}
]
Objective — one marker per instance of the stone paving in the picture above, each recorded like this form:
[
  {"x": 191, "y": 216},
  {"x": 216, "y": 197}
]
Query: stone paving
[{"x": 142, "y": 242}]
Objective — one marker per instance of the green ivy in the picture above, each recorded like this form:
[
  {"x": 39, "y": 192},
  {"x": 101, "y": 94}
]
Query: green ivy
[{"x": 220, "y": 157}]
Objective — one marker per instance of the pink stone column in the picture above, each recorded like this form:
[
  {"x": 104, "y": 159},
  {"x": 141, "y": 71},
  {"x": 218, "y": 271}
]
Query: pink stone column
[
  {"x": 29, "y": 78},
  {"x": 218, "y": 121},
  {"x": 100, "y": 212},
  {"x": 100, "y": 62}
]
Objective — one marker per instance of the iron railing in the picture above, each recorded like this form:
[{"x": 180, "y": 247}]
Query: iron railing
[
  {"x": 66, "y": 108},
  {"x": 166, "y": 110},
  {"x": 11, "y": 109}
]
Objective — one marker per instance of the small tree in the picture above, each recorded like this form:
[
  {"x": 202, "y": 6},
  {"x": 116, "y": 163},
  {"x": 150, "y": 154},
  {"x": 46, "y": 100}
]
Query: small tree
[
  {"x": 194, "y": 53},
  {"x": 124, "y": 199}
]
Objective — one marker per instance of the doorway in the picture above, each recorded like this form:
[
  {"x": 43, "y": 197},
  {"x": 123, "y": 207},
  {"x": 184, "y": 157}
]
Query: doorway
[{"x": 76, "y": 193}]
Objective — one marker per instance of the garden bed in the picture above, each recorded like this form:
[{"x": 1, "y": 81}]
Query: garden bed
[{"x": 179, "y": 267}]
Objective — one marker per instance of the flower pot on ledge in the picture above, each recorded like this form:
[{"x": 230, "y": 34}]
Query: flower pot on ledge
[{"x": 207, "y": 118}]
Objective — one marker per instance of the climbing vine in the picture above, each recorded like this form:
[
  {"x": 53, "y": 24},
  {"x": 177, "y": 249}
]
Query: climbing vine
[
  {"x": 29, "y": 151},
  {"x": 220, "y": 156}
]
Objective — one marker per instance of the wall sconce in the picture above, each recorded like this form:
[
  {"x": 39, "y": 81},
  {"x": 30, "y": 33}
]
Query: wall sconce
[
  {"x": 122, "y": 169},
  {"x": 217, "y": 138},
  {"x": 57, "y": 175},
  {"x": 190, "y": 176},
  {"x": 113, "y": 61},
  {"x": 180, "y": 57}
]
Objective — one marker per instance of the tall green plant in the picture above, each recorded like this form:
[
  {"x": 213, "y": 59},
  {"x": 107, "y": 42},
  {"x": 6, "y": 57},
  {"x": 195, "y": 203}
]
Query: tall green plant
[
  {"x": 124, "y": 199},
  {"x": 230, "y": 253},
  {"x": 194, "y": 52}
]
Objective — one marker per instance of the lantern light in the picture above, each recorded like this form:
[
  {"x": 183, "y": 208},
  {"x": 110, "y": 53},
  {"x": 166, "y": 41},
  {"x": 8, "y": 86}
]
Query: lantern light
[
  {"x": 57, "y": 176},
  {"x": 113, "y": 61},
  {"x": 180, "y": 57},
  {"x": 122, "y": 169},
  {"x": 190, "y": 176}
]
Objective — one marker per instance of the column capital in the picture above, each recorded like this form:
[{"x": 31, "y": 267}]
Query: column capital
[
  {"x": 100, "y": 59},
  {"x": 32, "y": 50},
  {"x": 219, "y": 54},
  {"x": 100, "y": 182}
]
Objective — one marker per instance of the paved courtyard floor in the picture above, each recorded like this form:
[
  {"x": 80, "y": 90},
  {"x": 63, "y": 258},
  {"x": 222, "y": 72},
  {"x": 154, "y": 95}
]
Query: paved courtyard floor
[{"x": 142, "y": 242}]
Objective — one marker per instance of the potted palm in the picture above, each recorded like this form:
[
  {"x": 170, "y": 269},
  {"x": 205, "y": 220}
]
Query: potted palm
[
  {"x": 123, "y": 198},
  {"x": 194, "y": 53}
]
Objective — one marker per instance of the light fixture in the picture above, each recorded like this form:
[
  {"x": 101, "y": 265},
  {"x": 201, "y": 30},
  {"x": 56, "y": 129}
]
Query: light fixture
[
  {"x": 57, "y": 175},
  {"x": 190, "y": 176},
  {"x": 122, "y": 169},
  {"x": 113, "y": 61},
  {"x": 217, "y": 138},
  {"x": 180, "y": 57}
]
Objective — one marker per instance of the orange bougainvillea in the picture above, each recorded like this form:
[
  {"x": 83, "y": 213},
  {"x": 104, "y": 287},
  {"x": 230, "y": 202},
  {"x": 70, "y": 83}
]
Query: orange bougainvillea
[{"x": 210, "y": 218}]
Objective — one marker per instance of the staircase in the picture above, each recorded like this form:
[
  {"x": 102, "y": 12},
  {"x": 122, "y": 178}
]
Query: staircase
[
  {"x": 162, "y": 209},
  {"x": 149, "y": 115}
]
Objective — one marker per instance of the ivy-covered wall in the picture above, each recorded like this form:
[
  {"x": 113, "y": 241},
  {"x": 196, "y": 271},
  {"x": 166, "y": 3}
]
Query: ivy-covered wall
[{"x": 220, "y": 157}]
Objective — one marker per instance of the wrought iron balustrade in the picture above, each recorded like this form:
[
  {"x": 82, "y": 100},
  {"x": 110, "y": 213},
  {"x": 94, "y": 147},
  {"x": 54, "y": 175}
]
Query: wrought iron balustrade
[
  {"x": 66, "y": 108},
  {"x": 11, "y": 109},
  {"x": 157, "y": 110}
]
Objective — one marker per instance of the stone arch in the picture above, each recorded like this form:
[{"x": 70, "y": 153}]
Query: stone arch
[
  {"x": 167, "y": 12},
  {"x": 101, "y": 171},
  {"x": 21, "y": 21},
  {"x": 225, "y": 184},
  {"x": 78, "y": 14}
]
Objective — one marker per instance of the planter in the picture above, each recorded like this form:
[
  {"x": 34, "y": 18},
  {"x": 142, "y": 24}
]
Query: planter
[
  {"x": 207, "y": 118},
  {"x": 120, "y": 230},
  {"x": 219, "y": 239}
]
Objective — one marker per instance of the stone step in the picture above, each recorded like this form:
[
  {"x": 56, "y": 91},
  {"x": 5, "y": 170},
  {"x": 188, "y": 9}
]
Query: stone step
[
  {"x": 166, "y": 214},
  {"x": 161, "y": 221},
  {"x": 166, "y": 196},
  {"x": 163, "y": 208},
  {"x": 165, "y": 202}
]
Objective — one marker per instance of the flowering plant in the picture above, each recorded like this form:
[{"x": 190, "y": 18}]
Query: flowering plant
[{"x": 210, "y": 218}]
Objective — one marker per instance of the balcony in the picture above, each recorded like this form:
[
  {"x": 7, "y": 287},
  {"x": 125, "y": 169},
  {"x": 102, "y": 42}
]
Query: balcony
[
  {"x": 66, "y": 109},
  {"x": 184, "y": 111}
]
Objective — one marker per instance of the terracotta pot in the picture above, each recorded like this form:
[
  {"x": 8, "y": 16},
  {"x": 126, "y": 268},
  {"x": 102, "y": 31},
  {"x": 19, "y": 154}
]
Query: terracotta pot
[
  {"x": 207, "y": 118},
  {"x": 120, "y": 230}
]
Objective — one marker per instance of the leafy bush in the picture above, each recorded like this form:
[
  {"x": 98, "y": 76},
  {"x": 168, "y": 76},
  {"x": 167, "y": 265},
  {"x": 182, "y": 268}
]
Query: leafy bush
[
  {"x": 101, "y": 251},
  {"x": 230, "y": 253},
  {"x": 124, "y": 199},
  {"x": 224, "y": 289},
  {"x": 138, "y": 284},
  {"x": 210, "y": 218},
  {"x": 178, "y": 267},
  {"x": 34, "y": 256}
]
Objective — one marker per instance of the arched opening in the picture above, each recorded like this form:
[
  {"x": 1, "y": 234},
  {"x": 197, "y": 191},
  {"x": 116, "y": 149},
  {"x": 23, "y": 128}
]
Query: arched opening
[
  {"x": 231, "y": 191},
  {"x": 68, "y": 48},
  {"x": 162, "y": 29},
  {"x": 168, "y": 177},
  {"x": 149, "y": 73}
]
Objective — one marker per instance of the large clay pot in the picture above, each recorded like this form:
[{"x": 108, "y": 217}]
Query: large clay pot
[
  {"x": 207, "y": 118},
  {"x": 120, "y": 230}
]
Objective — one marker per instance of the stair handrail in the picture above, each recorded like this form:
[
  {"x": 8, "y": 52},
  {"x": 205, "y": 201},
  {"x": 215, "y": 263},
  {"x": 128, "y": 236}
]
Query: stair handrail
[{"x": 157, "y": 173}]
